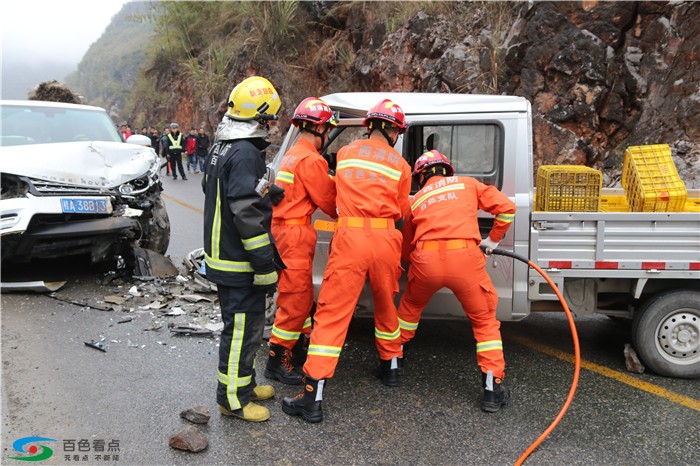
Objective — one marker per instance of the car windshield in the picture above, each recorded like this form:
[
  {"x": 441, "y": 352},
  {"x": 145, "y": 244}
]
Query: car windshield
[{"x": 20, "y": 125}]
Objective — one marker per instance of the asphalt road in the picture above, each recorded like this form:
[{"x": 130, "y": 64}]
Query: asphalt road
[{"x": 54, "y": 386}]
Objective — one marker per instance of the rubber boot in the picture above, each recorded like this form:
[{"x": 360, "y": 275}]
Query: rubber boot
[
  {"x": 307, "y": 404},
  {"x": 263, "y": 392},
  {"x": 279, "y": 366},
  {"x": 250, "y": 412},
  {"x": 496, "y": 394},
  {"x": 299, "y": 352},
  {"x": 389, "y": 371},
  {"x": 400, "y": 359}
]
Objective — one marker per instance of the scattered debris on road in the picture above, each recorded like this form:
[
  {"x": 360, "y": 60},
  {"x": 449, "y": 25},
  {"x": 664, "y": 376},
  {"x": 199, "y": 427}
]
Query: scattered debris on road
[
  {"x": 189, "y": 439},
  {"x": 196, "y": 414},
  {"x": 97, "y": 344},
  {"x": 632, "y": 361},
  {"x": 37, "y": 286}
]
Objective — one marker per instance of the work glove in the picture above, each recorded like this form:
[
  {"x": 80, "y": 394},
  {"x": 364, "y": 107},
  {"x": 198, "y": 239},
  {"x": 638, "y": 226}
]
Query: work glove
[
  {"x": 487, "y": 245},
  {"x": 266, "y": 282},
  {"x": 276, "y": 194}
]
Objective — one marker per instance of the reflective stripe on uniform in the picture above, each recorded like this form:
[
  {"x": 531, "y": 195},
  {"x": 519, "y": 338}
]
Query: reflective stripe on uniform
[
  {"x": 323, "y": 350},
  {"x": 307, "y": 322},
  {"x": 285, "y": 335},
  {"x": 505, "y": 218},
  {"x": 445, "y": 189},
  {"x": 242, "y": 381},
  {"x": 227, "y": 266},
  {"x": 265, "y": 278},
  {"x": 287, "y": 177},
  {"x": 234, "y": 358},
  {"x": 371, "y": 166},
  {"x": 175, "y": 144},
  {"x": 387, "y": 335},
  {"x": 256, "y": 242},
  {"x": 489, "y": 346},
  {"x": 407, "y": 325},
  {"x": 216, "y": 226}
]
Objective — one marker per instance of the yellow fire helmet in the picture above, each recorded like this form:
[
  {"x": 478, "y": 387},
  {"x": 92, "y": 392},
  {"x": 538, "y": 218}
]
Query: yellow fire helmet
[{"x": 254, "y": 98}]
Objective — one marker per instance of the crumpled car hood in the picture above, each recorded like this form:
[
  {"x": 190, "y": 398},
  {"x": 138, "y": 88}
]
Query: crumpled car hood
[{"x": 87, "y": 163}]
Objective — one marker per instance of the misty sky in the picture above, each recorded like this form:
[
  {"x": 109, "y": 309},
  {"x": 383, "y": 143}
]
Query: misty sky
[{"x": 45, "y": 39}]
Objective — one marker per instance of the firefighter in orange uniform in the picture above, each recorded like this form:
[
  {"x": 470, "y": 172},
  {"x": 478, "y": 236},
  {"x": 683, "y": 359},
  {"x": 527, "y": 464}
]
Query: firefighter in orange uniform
[
  {"x": 303, "y": 175},
  {"x": 373, "y": 182},
  {"x": 442, "y": 239}
]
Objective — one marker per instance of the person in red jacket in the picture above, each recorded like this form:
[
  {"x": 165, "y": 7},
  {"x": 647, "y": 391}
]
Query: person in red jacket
[
  {"x": 372, "y": 183},
  {"x": 441, "y": 240},
  {"x": 303, "y": 174}
]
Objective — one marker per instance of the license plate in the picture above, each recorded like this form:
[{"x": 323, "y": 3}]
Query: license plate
[{"x": 84, "y": 205}]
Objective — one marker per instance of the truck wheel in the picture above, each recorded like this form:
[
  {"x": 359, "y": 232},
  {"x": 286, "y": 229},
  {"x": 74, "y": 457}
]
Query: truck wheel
[
  {"x": 156, "y": 229},
  {"x": 666, "y": 334}
]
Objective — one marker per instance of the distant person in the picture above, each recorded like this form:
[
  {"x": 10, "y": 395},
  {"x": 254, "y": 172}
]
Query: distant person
[
  {"x": 174, "y": 149},
  {"x": 124, "y": 131},
  {"x": 202, "y": 149},
  {"x": 155, "y": 140},
  {"x": 164, "y": 148},
  {"x": 144, "y": 131},
  {"x": 190, "y": 149}
]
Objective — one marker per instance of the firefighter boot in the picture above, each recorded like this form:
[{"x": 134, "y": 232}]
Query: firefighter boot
[
  {"x": 299, "y": 352},
  {"x": 389, "y": 371},
  {"x": 496, "y": 394},
  {"x": 279, "y": 366},
  {"x": 306, "y": 404},
  {"x": 250, "y": 412}
]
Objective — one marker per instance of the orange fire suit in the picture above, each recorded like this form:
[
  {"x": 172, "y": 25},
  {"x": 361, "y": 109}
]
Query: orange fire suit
[
  {"x": 441, "y": 238},
  {"x": 304, "y": 176},
  {"x": 373, "y": 182}
]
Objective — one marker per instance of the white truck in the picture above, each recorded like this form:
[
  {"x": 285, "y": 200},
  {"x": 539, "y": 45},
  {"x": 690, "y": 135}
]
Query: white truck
[{"x": 641, "y": 266}]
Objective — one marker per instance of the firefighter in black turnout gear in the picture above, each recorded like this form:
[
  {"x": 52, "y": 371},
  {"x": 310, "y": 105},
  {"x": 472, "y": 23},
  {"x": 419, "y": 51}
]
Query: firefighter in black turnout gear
[{"x": 240, "y": 256}]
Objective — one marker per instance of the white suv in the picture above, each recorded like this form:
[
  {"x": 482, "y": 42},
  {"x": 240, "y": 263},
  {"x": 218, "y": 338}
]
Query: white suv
[{"x": 70, "y": 186}]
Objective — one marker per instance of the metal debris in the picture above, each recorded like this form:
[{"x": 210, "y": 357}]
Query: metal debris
[
  {"x": 97, "y": 344},
  {"x": 37, "y": 286},
  {"x": 193, "y": 331},
  {"x": 125, "y": 320}
]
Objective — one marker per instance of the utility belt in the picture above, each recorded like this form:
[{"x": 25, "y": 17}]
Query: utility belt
[
  {"x": 292, "y": 221},
  {"x": 365, "y": 222},
  {"x": 445, "y": 244}
]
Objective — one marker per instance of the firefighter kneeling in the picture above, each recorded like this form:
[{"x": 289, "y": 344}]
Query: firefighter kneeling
[{"x": 442, "y": 239}]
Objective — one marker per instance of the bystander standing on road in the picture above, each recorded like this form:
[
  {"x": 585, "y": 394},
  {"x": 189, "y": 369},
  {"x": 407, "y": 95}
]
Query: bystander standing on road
[
  {"x": 174, "y": 150},
  {"x": 202, "y": 150}
]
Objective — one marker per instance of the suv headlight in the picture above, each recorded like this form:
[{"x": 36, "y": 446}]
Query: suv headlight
[{"x": 12, "y": 186}]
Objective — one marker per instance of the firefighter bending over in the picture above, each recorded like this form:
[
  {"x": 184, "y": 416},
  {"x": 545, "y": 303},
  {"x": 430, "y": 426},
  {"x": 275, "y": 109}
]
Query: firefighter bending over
[
  {"x": 240, "y": 256},
  {"x": 442, "y": 239},
  {"x": 303, "y": 174},
  {"x": 372, "y": 182}
]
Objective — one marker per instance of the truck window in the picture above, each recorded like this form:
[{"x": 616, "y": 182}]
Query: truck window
[{"x": 473, "y": 149}]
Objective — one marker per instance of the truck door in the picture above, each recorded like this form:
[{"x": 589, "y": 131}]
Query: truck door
[{"x": 474, "y": 148}]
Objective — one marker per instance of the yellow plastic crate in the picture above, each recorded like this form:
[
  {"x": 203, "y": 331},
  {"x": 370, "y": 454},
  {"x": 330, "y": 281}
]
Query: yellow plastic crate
[
  {"x": 614, "y": 204},
  {"x": 651, "y": 181},
  {"x": 568, "y": 188}
]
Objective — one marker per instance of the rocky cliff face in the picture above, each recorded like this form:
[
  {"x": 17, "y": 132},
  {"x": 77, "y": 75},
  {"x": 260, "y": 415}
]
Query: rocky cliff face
[{"x": 601, "y": 76}]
